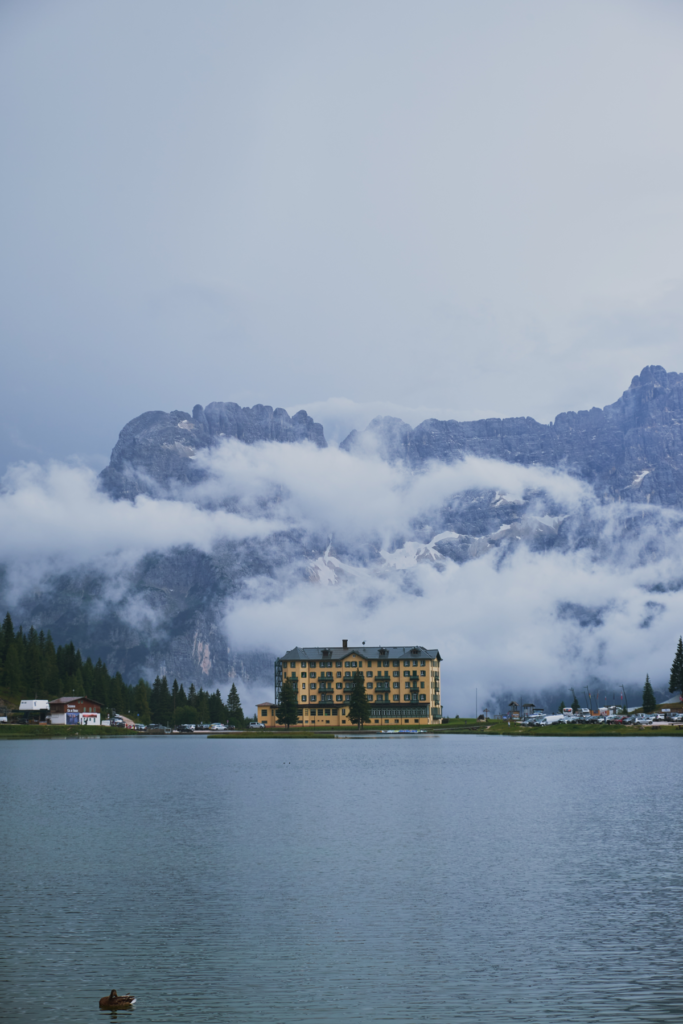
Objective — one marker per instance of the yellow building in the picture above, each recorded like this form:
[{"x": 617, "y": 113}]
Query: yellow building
[{"x": 402, "y": 683}]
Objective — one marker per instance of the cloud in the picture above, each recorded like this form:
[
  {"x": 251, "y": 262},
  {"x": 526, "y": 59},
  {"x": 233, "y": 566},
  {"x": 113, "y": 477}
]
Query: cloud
[
  {"x": 55, "y": 516},
  {"x": 351, "y": 546}
]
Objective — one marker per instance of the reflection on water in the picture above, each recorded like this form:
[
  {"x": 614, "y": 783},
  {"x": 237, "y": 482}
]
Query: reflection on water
[{"x": 465, "y": 879}]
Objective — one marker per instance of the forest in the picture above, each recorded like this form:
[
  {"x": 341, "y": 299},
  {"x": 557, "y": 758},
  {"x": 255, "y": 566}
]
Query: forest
[{"x": 32, "y": 667}]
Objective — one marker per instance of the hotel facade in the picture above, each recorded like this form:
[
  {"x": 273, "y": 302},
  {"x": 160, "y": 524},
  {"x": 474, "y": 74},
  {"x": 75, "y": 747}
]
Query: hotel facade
[{"x": 402, "y": 684}]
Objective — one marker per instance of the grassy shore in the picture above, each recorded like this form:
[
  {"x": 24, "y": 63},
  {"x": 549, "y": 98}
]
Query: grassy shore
[
  {"x": 53, "y": 732},
  {"x": 461, "y": 727}
]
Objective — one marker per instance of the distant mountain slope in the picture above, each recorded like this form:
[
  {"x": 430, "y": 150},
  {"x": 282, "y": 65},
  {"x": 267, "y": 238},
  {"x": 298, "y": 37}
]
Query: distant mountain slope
[
  {"x": 168, "y": 611},
  {"x": 629, "y": 451},
  {"x": 158, "y": 448}
]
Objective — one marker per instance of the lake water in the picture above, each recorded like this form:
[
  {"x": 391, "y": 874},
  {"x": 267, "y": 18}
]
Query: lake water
[{"x": 457, "y": 879}]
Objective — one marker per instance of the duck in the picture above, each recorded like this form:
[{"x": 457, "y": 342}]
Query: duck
[{"x": 116, "y": 1002}]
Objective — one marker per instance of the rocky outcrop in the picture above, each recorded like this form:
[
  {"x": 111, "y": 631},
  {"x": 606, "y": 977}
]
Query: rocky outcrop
[
  {"x": 629, "y": 451},
  {"x": 158, "y": 449}
]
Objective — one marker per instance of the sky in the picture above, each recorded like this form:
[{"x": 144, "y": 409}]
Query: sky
[{"x": 423, "y": 209}]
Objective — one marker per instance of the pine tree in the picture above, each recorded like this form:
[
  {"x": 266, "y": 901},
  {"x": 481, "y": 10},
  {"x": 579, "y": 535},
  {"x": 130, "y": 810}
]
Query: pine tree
[
  {"x": 676, "y": 677},
  {"x": 182, "y": 698},
  {"x": 649, "y": 701},
  {"x": 192, "y": 696},
  {"x": 287, "y": 712},
  {"x": 12, "y": 680},
  {"x": 359, "y": 705},
  {"x": 174, "y": 695},
  {"x": 141, "y": 702},
  {"x": 202, "y": 705},
  {"x": 217, "y": 710},
  {"x": 234, "y": 707}
]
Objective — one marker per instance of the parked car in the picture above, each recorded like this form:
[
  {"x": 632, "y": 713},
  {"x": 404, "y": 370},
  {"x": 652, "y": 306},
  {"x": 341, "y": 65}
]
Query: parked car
[
  {"x": 161, "y": 730},
  {"x": 256, "y": 725},
  {"x": 217, "y": 727},
  {"x": 185, "y": 727}
]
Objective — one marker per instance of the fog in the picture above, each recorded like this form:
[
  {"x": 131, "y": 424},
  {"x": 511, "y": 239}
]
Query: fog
[
  {"x": 604, "y": 602},
  {"x": 449, "y": 209}
]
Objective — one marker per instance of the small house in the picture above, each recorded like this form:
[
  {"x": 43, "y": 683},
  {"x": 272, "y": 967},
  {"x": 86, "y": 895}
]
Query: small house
[{"x": 75, "y": 711}]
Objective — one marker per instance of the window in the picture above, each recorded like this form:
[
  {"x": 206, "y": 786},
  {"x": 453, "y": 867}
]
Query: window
[
  {"x": 368, "y": 686},
  {"x": 406, "y": 673},
  {"x": 303, "y": 686},
  {"x": 347, "y": 675},
  {"x": 415, "y": 663},
  {"x": 353, "y": 664},
  {"x": 397, "y": 686},
  {"x": 292, "y": 664},
  {"x": 313, "y": 674},
  {"x": 395, "y": 673},
  {"x": 395, "y": 663},
  {"x": 406, "y": 696},
  {"x": 406, "y": 663},
  {"x": 312, "y": 686},
  {"x": 339, "y": 697},
  {"x": 338, "y": 675},
  {"x": 370, "y": 696},
  {"x": 303, "y": 696},
  {"x": 422, "y": 697},
  {"x": 338, "y": 686},
  {"x": 423, "y": 673},
  {"x": 348, "y": 664},
  {"x": 303, "y": 675},
  {"x": 337, "y": 664},
  {"x": 313, "y": 700},
  {"x": 422, "y": 686},
  {"x": 422, "y": 661},
  {"x": 369, "y": 674},
  {"x": 397, "y": 696},
  {"x": 265, "y": 712},
  {"x": 311, "y": 664}
]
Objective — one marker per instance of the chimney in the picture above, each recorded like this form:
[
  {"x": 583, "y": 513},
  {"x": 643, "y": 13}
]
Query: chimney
[{"x": 345, "y": 643}]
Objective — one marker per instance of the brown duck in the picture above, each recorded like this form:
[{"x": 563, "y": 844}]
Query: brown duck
[{"x": 116, "y": 1002}]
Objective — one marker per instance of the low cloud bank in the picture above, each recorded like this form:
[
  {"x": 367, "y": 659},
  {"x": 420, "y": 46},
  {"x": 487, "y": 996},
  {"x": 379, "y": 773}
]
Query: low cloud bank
[{"x": 564, "y": 592}]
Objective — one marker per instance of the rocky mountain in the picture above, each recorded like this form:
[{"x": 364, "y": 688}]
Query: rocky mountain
[
  {"x": 159, "y": 448},
  {"x": 629, "y": 451},
  {"x": 168, "y": 612}
]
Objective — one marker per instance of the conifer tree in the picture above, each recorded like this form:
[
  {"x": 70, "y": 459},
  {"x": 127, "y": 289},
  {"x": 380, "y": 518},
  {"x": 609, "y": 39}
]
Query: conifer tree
[
  {"x": 649, "y": 701},
  {"x": 359, "y": 705},
  {"x": 217, "y": 711},
  {"x": 676, "y": 677},
  {"x": 192, "y": 696},
  {"x": 287, "y": 712},
  {"x": 174, "y": 695},
  {"x": 202, "y": 705},
  {"x": 182, "y": 698},
  {"x": 234, "y": 707}
]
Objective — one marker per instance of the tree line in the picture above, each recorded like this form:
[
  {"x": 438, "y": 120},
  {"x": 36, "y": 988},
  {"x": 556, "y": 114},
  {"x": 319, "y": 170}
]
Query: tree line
[{"x": 32, "y": 667}]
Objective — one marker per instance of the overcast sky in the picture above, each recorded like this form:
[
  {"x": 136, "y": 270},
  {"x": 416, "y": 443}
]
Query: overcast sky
[{"x": 426, "y": 208}]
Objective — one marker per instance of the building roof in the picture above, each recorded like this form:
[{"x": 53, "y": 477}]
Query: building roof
[
  {"x": 266, "y": 704},
  {"x": 372, "y": 653},
  {"x": 72, "y": 700}
]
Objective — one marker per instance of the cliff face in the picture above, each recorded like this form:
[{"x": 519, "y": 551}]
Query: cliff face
[
  {"x": 167, "y": 613},
  {"x": 629, "y": 451},
  {"x": 159, "y": 448}
]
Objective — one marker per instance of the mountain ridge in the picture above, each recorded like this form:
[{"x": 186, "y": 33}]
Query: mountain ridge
[{"x": 631, "y": 450}]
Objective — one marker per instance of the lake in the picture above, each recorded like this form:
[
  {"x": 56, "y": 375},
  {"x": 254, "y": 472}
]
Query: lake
[{"x": 454, "y": 878}]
